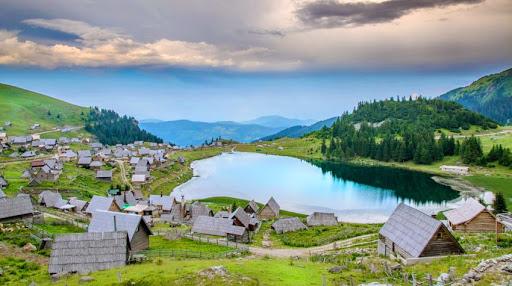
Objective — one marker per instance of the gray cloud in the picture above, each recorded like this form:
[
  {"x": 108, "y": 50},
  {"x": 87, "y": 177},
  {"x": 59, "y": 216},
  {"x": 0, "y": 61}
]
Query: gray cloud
[
  {"x": 275, "y": 33},
  {"x": 332, "y": 13}
]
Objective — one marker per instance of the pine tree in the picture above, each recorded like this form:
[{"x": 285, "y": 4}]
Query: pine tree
[{"x": 499, "y": 204}]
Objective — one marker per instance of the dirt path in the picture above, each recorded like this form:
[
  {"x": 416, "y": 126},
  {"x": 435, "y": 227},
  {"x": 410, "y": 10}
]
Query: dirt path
[
  {"x": 292, "y": 252},
  {"x": 120, "y": 163}
]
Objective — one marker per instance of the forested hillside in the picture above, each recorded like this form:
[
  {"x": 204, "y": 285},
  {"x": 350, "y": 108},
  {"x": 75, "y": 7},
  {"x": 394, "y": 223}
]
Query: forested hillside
[
  {"x": 111, "y": 129},
  {"x": 399, "y": 130},
  {"x": 490, "y": 95}
]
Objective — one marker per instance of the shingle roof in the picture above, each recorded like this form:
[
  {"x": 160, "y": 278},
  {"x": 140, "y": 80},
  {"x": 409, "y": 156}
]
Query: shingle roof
[
  {"x": 138, "y": 178},
  {"x": 253, "y": 205},
  {"x": 50, "y": 199},
  {"x": 104, "y": 174},
  {"x": 3, "y": 182},
  {"x": 288, "y": 224},
  {"x": 103, "y": 221},
  {"x": 466, "y": 212},
  {"x": 319, "y": 218},
  {"x": 80, "y": 204},
  {"x": 88, "y": 252},
  {"x": 164, "y": 201},
  {"x": 410, "y": 229},
  {"x": 2, "y": 194},
  {"x": 99, "y": 203},
  {"x": 241, "y": 216},
  {"x": 84, "y": 153},
  {"x": 199, "y": 209},
  {"x": 125, "y": 197},
  {"x": 96, "y": 164},
  {"x": 84, "y": 160},
  {"x": 273, "y": 205},
  {"x": 20, "y": 205},
  {"x": 216, "y": 226}
]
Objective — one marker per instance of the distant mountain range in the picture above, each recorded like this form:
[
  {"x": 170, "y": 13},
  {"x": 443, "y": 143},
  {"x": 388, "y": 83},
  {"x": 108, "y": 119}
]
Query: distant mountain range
[
  {"x": 490, "y": 95},
  {"x": 186, "y": 132},
  {"x": 300, "y": 130}
]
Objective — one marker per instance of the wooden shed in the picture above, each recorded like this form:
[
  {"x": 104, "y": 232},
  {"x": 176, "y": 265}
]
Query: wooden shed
[
  {"x": 410, "y": 233},
  {"x": 18, "y": 208},
  {"x": 88, "y": 252},
  {"x": 270, "y": 210},
  {"x": 220, "y": 227},
  {"x": 252, "y": 207},
  {"x": 102, "y": 204},
  {"x": 288, "y": 225},
  {"x": 319, "y": 218},
  {"x": 473, "y": 217},
  {"x": 136, "y": 227}
]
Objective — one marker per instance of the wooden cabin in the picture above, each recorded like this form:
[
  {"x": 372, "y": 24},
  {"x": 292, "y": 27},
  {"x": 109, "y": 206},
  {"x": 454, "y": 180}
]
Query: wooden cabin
[
  {"x": 99, "y": 203},
  {"x": 319, "y": 218},
  {"x": 220, "y": 227},
  {"x": 409, "y": 233},
  {"x": 289, "y": 224},
  {"x": 252, "y": 207},
  {"x": 17, "y": 208},
  {"x": 270, "y": 210},
  {"x": 473, "y": 217},
  {"x": 136, "y": 227}
]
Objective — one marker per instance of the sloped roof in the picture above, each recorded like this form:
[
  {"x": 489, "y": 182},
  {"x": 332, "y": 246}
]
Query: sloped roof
[
  {"x": 104, "y": 174},
  {"x": 466, "y": 212},
  {"x": 50, "y": 199},
  {"x": 319, "y": 218},
  {"x": 288, "y": 224},
  {"x": 138, "y": 178},
  {"x": 410, "y": 229},
  {"x": 216, "y": 226},
  {"x": 96, "y": 164},
  {"x": 80, "y": 204},
  {"x": 241, "y": 216},
  {"x": 107, "y": 221},
  {"x": 273, "y": 205},
  {"x": 222, "y": 214},
  {"x": 20, "y": 205},
  {"x": 3, "y": 182},
  {"x": 84, "y": 160},
  {"x": 125, "y": 197},
  {"x": 253, "y": 205},
  {"x": 88, "y": 252},
  {"x": 84, "y": 153},
  {"x": 2, "y": 194},
  {"x": 164, "y": 201},
  {"x": 99, "y": 203},
  {"x": 199, "y": 209}
]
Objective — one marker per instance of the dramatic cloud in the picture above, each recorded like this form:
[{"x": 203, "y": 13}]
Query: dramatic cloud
[
  {"x": 332, "y": 13},
  {"x": 98, "y": 47}
]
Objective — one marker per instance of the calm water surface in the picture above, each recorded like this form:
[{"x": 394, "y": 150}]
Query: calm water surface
[{"x": 354, "y": 193}]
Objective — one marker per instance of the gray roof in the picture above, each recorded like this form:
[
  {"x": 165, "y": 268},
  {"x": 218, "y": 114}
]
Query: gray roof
[
  {"x": 96, "y": 164},
  {"x": 216, "y": 226},
  {"x": 27, "y": 154},
  {"x": 50, "y": 199},
  {"x": 273, "y": 205},
  {"x": 20, "y": 205},
  {"x": 70, "y": 154},
  {"x": 241, "y": 216},
  {"x": 410, "y": 229},
  {"x": 199, "y": 209},
  {"x": 253, "y": 205},
  {"x": 319, "y": 218},
  {"x": 104, "y": 174},
  {"x": 125, "y": 197},
  {"x": 107, "y": 221},
  {"x": 222, "y": 214},
  {"x": 288, "y": 224},
  {"x": 88, "y": 252},
  {"x": 99, "y": 203},
  {"x": 164, "y": 201},
  {"x": 466, "y": 212},
  {"x": 84, "y": 160},
  {"x": 2, "y": 194},
  {"x": 134, "y": 160},
  {"x": 79, "y": 204},
  {"x": 3, "y": 182},
  {"x": 84, "y": 153}
]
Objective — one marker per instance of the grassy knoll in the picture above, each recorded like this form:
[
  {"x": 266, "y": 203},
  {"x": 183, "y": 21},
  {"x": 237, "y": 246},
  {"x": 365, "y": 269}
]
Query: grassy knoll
[
  {"x": 157, "y": 242},
  {"x": 176, "y": 174},
  {"x": 321, "y": 235},
  {"x": 54, "y": 226},
  {"x": 18, "y": 271},
  {"x": 306, "y": 148},
  {"x": 24, "y": 108},
  {"x": 223, "y": 203}
]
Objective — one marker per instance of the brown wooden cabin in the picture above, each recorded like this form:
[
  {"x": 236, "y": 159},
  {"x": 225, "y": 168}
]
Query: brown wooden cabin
[
  {"x": 473, "y": 217},
  {"x": 270, "y": 210},
  {"x": 409, "y": 233}
]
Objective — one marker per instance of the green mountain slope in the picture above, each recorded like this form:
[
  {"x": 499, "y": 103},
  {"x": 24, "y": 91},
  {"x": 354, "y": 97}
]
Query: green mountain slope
[
  {"x": 490, "y": 95},
  {"x": 24, "y": 108},
  {"x": 300, "y": 130}
]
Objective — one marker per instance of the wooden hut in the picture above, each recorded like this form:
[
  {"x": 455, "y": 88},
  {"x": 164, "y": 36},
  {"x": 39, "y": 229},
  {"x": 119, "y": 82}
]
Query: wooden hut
[
  {"x": 288, "y": 224},
  {"x": 409, "y": 233},
  {"x": 220, "y": 227},
  {"x": 319, "y": 218},
  {"x": 270, "y": 210},
  {"x": 102, "y": 204},
  {"x": 252, "y": 207},
  {"x": 472, "y": 217},
  {"x": 87, "y": 252},
  {"x": 241, "y": 218},
  {"x": 136, "y": 227},
  {"x": 17, "y": 208}
]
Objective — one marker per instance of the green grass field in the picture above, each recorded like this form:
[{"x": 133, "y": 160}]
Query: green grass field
[
  {"x": 24, "y": 108},
  {"x": 184, "y": 244},
  {"x": 54, "y": 226}
]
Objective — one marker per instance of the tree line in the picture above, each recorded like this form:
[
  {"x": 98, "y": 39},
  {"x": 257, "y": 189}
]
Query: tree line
[{"x": 111, "y": 129}]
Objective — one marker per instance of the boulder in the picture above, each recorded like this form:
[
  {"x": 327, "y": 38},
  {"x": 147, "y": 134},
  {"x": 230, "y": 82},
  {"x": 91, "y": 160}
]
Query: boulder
[{"x": 29, "y": 247}]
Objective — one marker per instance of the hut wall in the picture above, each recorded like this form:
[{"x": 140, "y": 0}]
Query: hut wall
[
  {"x": 140, "y": 240},
  {"x": 484, "y": 222},
  {"x": 114, "y": 208},
  {"x": 26, "y": 217},
  {"x": 442, "y": 243},
  {"x": 267, "y": 213},
  {"x": 387, "y": 246}
]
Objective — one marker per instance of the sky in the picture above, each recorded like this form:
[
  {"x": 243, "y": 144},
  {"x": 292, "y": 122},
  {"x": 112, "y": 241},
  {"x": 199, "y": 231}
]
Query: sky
[{"x": 236, "y": 60}]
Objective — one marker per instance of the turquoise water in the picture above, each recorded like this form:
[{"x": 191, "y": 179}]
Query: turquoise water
[{"x": 354, "y": 193}]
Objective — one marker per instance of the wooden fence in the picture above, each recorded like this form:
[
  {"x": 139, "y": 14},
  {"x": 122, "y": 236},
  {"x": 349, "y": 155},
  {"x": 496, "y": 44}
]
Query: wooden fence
[{"x": 177, "y": 233}]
